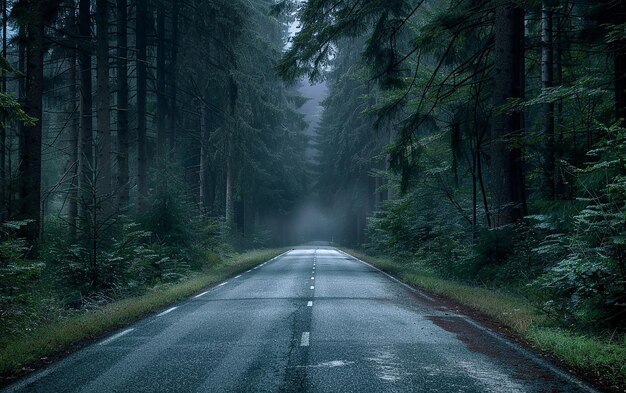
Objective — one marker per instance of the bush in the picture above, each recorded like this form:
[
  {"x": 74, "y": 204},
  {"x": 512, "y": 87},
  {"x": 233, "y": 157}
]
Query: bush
[
  {"x": 19, "y": 276},
  {"x": 588, "y": 276}
]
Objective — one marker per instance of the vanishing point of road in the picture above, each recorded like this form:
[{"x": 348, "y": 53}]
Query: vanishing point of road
[{"x": 311, "y": 320}]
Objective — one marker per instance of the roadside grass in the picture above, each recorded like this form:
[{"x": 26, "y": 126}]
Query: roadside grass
[
  {"x": 61, "y": 336},
  {"x": 601, "y": 358}
]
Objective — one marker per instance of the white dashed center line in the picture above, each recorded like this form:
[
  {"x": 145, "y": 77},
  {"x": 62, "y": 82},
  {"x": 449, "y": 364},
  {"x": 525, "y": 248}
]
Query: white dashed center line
[
  {"x": 224, "y": 283},
  {"x": 116, "y": 336},
  {"x": 202, "y": 294},
  {"x": 309, "y": 304},
  {"x": 312, "y": 287},
  {"x": 238, "y": 276},
  {"x": 167, "y": 311},
  {"x": 312, "y": 278},
  {"x": 304, "y": 341}
]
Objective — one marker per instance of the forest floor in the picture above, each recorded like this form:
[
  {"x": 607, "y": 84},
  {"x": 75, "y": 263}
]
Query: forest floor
[
  {"x": 42, "y": 345},
  {"x": 599, "y": 359}
]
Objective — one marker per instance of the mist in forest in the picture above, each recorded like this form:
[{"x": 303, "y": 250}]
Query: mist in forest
[{"x": 144, "y": 142}]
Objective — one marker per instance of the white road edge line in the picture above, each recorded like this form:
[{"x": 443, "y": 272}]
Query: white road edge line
[
  {"x": 585, "y": 386},
  {"x": 247, "y": 271},
  {"x": 304, "y": 341},
  {"x": 167, "y": 311},
  {"x": 309, "y": 304},
  {"x": 31, "y": 380},
  {"x": 116, "y": 336},
  {"x": 407, "y": 286},
  {"x": 43, "y": 373}
]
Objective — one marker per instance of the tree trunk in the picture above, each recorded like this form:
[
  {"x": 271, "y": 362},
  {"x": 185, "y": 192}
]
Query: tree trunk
[
  {"x": 85, "y": 181},
  {"x": 474, "y": 198},
  {"x": 392, "y": 194},
  {"x": 142, "y": 150},
  {"x": 173, "y": 71},
  {"x": 123, "y": 188},
  {"x": 21, "y": 92},
  {"x": 230, "y": 198},
  {"x": 559, "y": 181},
  {"x": 3, "y": 135},
  {"x": 103, "y": 103},
  {"x": 29, "y": 170},
  {"x": 72, "y": 211},
  {"x": 203, "y": 153},
  {"x": 619, "y": 51},
  {"x": 509, "y": 200},
  {"x": 547, "y": 81},
  {"x": 161, "y": 93}
]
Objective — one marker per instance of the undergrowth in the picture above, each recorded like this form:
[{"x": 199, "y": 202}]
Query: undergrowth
[{"x": 63, "y": 331}]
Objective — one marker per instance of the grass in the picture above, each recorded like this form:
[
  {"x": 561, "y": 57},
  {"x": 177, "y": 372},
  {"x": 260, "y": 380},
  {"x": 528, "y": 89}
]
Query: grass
[
  {"x": 60, "y": 336},
  {"x": 601, "y": 358}
]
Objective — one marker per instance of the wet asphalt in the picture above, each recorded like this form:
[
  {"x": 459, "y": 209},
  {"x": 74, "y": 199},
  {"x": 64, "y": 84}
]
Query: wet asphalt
[{"x": 311, "y": 320}]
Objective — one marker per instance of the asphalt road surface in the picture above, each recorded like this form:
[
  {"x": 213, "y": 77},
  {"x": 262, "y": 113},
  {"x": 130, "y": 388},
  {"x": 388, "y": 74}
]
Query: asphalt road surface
[{"x": 312, "y": 320}]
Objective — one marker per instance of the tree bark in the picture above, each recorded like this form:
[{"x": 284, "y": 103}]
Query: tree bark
[
  {"x": 507, "y": 175},
  {"x": 161, "y": 92},
  {"x": 29, "y": 170},
  {"x": 123, "y": 189},
  {"x": 72, "y": 211},
  {"x": 21, "y": 93},
  {"x": 559, "y": 181},
  {"x": 619, "y": 51},
  {"x": 142, "y": 150},
  {"x": 103, "y": 107},
  {"x": 85, "y": 181},
  {"x": 203, "y": 153},
  {"x": 173, "y": 72},
  {"x": 547, "y": 82},
  {"x": 230, "y": 198},
  {"x": 3, "y": 135}
]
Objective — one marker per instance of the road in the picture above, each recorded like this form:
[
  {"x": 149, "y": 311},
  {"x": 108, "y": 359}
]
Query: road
[{"x": 311, "y": 320}]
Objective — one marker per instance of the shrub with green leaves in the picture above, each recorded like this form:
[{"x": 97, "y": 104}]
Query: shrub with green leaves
[
  {"x": 590, "y": 279},
  {"x": 17, "y": 273}
]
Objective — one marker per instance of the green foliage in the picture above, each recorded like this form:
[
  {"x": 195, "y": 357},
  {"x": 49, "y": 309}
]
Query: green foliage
[
  {"x": 86, "y": 274},
  {"x": 17, "y": 273},
  {"x": 10, "y": 107},
  {"x": 590, "y": 277},
  {"x": 63, "y": 332},
  {"x": 19, "y": 277},
  {"x": 433, "y": 62}
]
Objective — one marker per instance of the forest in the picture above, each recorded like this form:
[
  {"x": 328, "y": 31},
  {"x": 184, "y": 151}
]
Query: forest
[
  {"x": 142, "y": 142},
  {"x": 483, "y": 139},
  {"x": 147, "y": 143}
]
